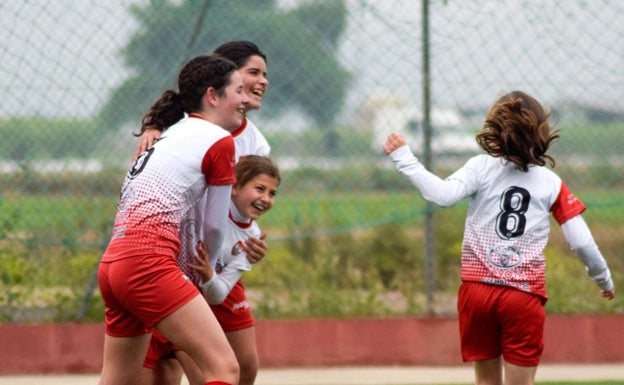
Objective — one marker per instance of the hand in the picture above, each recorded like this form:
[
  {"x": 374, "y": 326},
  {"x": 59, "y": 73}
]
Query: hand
[
  {"x": 203, "y": 266},
  {"x": 609, "y": 294},
  {"x": 146, "y": 141},
  {"x": 393, "y": 142},
  {"x": 256, "y": 248}
]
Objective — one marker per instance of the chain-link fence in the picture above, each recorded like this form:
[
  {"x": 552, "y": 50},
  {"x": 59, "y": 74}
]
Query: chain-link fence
[{"x": 348, "y": 235}]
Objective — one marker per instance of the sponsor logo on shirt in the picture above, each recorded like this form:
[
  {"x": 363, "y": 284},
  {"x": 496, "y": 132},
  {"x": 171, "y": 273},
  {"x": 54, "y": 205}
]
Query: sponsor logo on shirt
[{"x": 505, "y": 257}]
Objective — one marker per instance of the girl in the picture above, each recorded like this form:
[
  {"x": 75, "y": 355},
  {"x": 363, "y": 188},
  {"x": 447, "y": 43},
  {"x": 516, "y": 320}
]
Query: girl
[
  {"x": 248, "y": 139},
  {"x": 502, "y": 295},
  {"x": 141, "y": 284},
  {"x": 257, "y": 180}
]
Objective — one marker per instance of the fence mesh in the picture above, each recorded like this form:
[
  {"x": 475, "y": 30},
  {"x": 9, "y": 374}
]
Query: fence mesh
[{"x": 346, "y": 234}]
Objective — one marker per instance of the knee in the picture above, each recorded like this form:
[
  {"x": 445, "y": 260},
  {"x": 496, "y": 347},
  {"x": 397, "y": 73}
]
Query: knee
[{"x": 248, "y": 370}]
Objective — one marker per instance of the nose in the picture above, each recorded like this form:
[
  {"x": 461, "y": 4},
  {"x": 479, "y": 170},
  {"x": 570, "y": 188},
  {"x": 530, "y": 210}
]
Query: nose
[
  {"x": 267, "y": 199},
  {"x": 244, "y": 98}
]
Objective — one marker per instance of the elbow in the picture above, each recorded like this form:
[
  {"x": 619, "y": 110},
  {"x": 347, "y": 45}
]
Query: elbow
[{"x": 215, "y": 299}]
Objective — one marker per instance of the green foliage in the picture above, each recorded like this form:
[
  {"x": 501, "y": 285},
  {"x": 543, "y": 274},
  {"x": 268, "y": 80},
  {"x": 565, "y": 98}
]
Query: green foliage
[
  {"x": 37, "y": 289},
  {"x": 345, "y": 236},
  {"x": 27, "y": 140},
  {"x": 299, "y": 44}
]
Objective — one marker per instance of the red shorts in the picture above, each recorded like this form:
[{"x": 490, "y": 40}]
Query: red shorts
[
  {"x": 497, "y": 320},
  {"x": 234, "y": 313},
  {"x": 159, "y": 349},
  {"x": 140, "y": 291}
]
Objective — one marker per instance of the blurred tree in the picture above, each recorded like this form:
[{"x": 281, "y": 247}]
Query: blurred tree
[{"x": 299, "y": 42}]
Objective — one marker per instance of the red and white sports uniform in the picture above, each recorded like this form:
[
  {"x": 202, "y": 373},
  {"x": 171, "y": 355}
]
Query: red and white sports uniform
[
  {"x": 136, "y": 275},
  {"x": 503, "y": 266},
  {"x": 224, "y": 292},
  {"x": 233, "y": 312},
  {"x": 507, "y": 225},
  {"x": 248, "y": 140}
]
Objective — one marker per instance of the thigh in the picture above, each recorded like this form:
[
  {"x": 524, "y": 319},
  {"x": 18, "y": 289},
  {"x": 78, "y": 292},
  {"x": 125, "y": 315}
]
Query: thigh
[
  {"x": 519, "y": 375},
  {"x": 489, "y": 372},
  {"x": 478, "y": 324},
  {"x": 522, "y": 318},
  {"x": 123, "y": 360},
  {"x": 195, "y": 330}
]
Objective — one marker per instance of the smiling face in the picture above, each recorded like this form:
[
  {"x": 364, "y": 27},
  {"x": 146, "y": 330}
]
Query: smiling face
[
  {"x": 232, "y": 104},
  {"x": 255, "y": 197},
  {"x": 255, "y": 82}
]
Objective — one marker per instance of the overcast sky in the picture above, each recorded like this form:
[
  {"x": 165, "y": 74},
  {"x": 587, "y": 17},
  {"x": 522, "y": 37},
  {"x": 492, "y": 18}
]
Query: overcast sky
[{"x": 61, "y": 57}]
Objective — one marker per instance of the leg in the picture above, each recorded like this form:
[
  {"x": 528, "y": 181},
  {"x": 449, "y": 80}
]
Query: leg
[
  {"x": 489, "y": 372},
  {"x": 167, "y": 372},
  {"x": 244, "y": 344},
  {"x": 123, "y": 360},
  {"x": 194, "y": 328},
  {"x": 519, "y": 375},
  {"x": 192, "y": 371}
]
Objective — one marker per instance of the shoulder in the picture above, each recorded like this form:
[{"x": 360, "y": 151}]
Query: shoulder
[{"x": 251, "y": 141}]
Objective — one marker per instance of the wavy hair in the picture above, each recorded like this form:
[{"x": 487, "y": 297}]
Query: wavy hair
[{"x": 516, "y": 128}]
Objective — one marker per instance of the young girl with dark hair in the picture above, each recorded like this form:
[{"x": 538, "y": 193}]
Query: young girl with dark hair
[{"x": 141, "y": 283}]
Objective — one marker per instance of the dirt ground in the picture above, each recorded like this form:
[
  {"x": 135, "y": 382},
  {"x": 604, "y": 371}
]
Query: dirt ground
[{"x": 368, "y": 375}]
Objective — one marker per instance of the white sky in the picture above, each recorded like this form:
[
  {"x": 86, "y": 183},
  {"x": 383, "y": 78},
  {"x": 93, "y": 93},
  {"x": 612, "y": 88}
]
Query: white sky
[{"x": 61, "y": 58}]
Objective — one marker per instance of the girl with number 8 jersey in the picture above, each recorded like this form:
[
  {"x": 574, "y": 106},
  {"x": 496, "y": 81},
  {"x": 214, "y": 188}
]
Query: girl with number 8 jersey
[{"x": 512, "y": 195}]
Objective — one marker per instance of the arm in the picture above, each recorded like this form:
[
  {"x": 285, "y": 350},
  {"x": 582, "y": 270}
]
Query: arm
[
  {"x": 215, "y": 217},
  {"x": 580, "y": 240},
  {"x": 433, "y": 188},
  {"x": 215, "y": 287}
]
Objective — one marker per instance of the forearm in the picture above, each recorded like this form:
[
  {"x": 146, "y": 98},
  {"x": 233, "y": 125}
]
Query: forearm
[
  {"x": 581, "y": 241},
  {"x": 216, "y": 289},
  {"x": 215, "y": 217}
]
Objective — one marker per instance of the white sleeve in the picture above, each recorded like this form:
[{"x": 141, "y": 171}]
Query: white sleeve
[
  {"x": 443, "y": 192},
  {"x": 580, "y": 240},
  {"x": 219, "y": 286},
  {"x": 215, "y": 217}
]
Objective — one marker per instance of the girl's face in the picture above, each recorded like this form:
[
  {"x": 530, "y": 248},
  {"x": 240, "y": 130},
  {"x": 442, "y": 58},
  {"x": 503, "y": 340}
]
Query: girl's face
[
  {"x": 255, "y": 82},
  {"x": 256, "y": 197},
  {"x": 232, "y": 104}
]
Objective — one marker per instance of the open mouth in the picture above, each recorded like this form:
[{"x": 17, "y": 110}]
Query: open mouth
[
  {"x": 259, "y": 92},
  {"x": 258, "y": 207}
]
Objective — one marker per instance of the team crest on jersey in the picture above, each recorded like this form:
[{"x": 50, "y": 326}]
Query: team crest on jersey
[
  {"x": 505, "y": 257},
  {"x": 238, "y": 248}
]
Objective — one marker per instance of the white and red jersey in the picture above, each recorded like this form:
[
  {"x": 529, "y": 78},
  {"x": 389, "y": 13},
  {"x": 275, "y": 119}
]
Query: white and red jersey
[
  {"x": 248, "y": 140},
  {"x": 232, "y": 260},
  {"x": 508, "y": 221},
  {"x": 164, "y": 183}
]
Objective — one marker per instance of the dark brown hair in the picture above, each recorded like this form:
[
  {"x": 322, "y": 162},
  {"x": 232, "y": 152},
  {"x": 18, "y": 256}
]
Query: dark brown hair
[
  {"x": 250, "y": 166},
  {"x": 516, "y": 128},
  {"x": 196, "y": 76},
  {"x": 239, "y": 51}
]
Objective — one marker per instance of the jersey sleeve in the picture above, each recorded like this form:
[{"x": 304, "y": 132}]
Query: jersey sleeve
[
  {"x": 566, "y": 206},
  {"x": 218, "y": 162}
]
